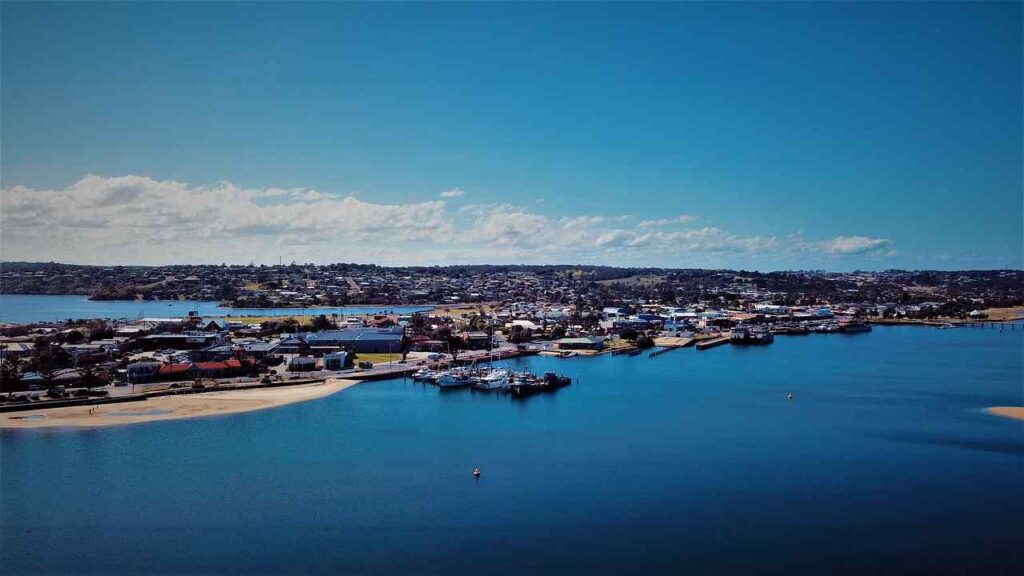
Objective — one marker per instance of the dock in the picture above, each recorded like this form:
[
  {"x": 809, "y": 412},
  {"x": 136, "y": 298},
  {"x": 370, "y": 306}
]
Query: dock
[
  {"x": 673, "y": 342},
  {"x": 665, "y": 350},
  {"x": 712, "y": 342}
]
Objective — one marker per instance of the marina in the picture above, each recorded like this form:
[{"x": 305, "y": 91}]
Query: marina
[
  {"x": 425, "y": 289},
  {"x": 870, "y": 421}
]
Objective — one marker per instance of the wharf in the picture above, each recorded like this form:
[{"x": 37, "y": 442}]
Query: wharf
[
  {"x": 673, "y": 342},
  {"x": 712, "y": 342}
]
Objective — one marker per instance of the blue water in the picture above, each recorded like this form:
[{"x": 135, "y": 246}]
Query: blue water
[
  {"x": 45, "y": 308},
  {"x": 692, "y": 462}
]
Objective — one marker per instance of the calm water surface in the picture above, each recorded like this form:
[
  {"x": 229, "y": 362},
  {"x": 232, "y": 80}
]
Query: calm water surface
[
  {"x": 46, "y": 308},
  {"x": 692, "y": 462}
]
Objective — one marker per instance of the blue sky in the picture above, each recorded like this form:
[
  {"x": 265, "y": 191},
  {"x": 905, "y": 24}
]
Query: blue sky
[{"x": 767, "y": 136}]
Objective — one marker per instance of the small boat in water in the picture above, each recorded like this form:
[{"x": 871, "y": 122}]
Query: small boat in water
[
  {"x": 526, "y": 384},
  {"x": 751, "y": 335},
  {"x": 424, "y": 375},
  {"x": 494, "y": 380},
  {"x": 857, "y": 327},
  {"x": 455, "y": 378}
]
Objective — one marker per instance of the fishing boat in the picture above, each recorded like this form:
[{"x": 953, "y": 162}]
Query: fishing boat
[
  {"x": 492, "y": 380},
  {"x": 751, "y": 335},
  {"x": 857, "y": 327},
  {"x": 455, "y": 378},
  {"x": 424, "y": 375},
  {"x": 556, "y": 380},
  {"x": 827, "y": 327},
  {"x": 526, "y": 384}
]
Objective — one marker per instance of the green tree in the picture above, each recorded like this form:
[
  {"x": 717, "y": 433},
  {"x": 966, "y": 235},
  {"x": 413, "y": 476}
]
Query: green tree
[
  {"x": 322, "y": 323},
  {"x": 10, "y": 376},
  {"x": 92, "y": 376}
]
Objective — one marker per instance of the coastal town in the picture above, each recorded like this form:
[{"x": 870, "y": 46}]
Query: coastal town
[
  {"x": 940, "y": 293},
  {"x": 451, "y": 323}
]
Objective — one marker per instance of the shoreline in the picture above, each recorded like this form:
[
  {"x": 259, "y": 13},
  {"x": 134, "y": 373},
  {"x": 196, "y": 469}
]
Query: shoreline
[
  {"x": 166, "y": 408},
  {"x": 1012, "y": 412}
]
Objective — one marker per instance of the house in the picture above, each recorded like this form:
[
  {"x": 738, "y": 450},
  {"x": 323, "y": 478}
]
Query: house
[
  {"x": 652, "y": 318},
  {"x": 183, "y": 341},
  {"x": 143, "y": 371},
  {"x": 87, "y": 352},
  {"x": 422, "y": 344},
  {"x": 222, "y": 369},
  {"x": 614, "y": 312},
  {"x": 16, "y": 349},
  {"x": 213, "y": 325},
  {"x": 771, "y": 309},
  {"x": 212, "y": 353},
  {"x": 524, "y": 324},
  {"x": 259, "y": 349},
  {"x": 181, "y": 371},
  {"x": 476, "y": 340}
]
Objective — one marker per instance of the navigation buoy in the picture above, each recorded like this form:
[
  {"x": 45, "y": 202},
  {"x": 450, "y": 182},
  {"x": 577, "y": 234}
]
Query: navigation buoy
[
  {"x": 789, "y": 396},
  {"x": 476, "y": 472}
]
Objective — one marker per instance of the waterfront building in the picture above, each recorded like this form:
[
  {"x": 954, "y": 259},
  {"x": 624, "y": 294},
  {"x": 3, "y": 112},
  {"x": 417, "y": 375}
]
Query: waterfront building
[
  {"x": 302, "y": 364},
  {"x": 366, "y": 340},
  {"x": 183, "y": 341},
  {"x": 583, "y": 343},
  {"x": 335, "y": 360}
]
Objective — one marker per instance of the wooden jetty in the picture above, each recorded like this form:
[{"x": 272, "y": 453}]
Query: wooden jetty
[
  {"x": 712, "y": 342},
  {"x": 665, "y": 350}
]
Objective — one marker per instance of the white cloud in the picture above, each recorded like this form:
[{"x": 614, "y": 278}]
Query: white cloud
[
  {"x": 134, "y": 219},
  {"x": 453, "y": 193},
  {"x": 681, "y": 219},
  {"x": 844, "y": 245}
]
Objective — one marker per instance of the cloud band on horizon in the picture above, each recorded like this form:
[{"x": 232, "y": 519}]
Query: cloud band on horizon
[{"x": 139, "y": 220}]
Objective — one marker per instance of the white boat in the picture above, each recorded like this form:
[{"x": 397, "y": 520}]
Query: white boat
[
  {"x": 493, "y": 380},
  {"x": 454, "y": 379},
  {"x": 424, "y": 375}
]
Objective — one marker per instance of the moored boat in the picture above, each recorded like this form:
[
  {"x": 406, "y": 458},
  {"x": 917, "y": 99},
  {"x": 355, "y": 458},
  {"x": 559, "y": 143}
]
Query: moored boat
[
  {"x": 493, "y": 380},
  {"x": 424, "y": 375},
  {"x": 751, "y": 335},
  {"x": 857, "y": 327},
  {"x": 526, "y": 384},
  {"x": 455, "y": 378}
]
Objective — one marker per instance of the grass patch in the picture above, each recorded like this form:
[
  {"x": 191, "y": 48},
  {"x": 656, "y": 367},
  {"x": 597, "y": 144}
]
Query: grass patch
[{"x": 377, "y": 358}]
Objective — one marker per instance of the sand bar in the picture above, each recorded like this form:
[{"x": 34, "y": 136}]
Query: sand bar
[
  {"x": 1015, "y": 412},
  {"x": 172, "y": 407}
]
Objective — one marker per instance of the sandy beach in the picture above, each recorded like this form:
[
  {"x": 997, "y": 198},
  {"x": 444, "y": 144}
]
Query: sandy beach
[
  {"x": 172, "y": 407},
  {"x": 1015, "y": 412}
]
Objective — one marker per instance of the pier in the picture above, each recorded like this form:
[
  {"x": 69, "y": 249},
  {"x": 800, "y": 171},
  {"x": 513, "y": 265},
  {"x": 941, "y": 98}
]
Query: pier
[{"x": 712, "y": 342}]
